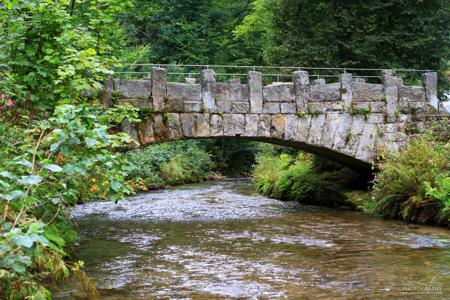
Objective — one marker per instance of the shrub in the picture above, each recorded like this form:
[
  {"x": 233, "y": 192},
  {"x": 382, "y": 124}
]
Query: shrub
[
  {"x": 414, "y": 185},
  {"x": 170, "y": 163},
  {"x": 293, "y": 177},
  {"x": 44, "y": 170}
]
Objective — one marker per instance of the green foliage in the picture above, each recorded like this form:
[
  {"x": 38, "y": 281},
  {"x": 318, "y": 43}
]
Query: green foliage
[
  {"x": 293, "y": 177},
  {"x": 414, "y": 185},
  {"x": 52, "y": 51},
  {"x": 190, "y": 31},
  {"x": 233, "y": 157},
  {"x": 44, "y": 170},
  {"x": 170, "y": 163}
]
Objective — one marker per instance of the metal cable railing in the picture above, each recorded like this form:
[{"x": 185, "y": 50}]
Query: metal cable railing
[{"x": 178, "y": 72}]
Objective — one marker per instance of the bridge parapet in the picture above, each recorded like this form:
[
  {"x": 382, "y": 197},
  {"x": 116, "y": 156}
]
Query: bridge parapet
[{"x": 346, "y": 120}]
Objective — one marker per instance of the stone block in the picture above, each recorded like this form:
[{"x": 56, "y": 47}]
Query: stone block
[
  {"x": 158, "y": 88},
  {"x": 216, "y": 125},
  {"x": 290, "y": 127},
  {"x": 176, "y": 105},
  {"x": 390, "y": 128},
  {"x": 391, "y": 85},
  {"x": 227, "y": 94},
  {"x": 130, "y": 129},
  {"x": 183, "y": 92},
  {"x": 173, "y": 126},
  {"x": 377, "y": 106},
  {"x": 429, "y": 81},
  {"x": 346, "y": 89},
  {"x": 375, "y": 118},
  {"x": 288, "y": 108},
  {"x": 208, "y": 82},
  {"x": 145, "y": 130},
  {"x": 192, "y": 106},
  {"x": 271, "y": 108},
  {"x": 416, "y": 106},
  {"x": 315, "y": 134},
  {"x": 367, "y": 142},
  {"x": 330, "y": 128},
  {"x": 201, "y": 125},
  {"x": 326, "y": 92},
  {"x": 366, "y": 92},
  {"x": 301, "y": 89},
  {"x": 159, "y": 128},
  {"x": 358, "y": 123},
  {"x": 255, "y": 92},
  {"x": 106, "y": 93},
  {"x": 141, "y": 103},
  {"x": 342, "y": 136},
  {"x": 240, "y": 107},
  {"x": 264, "y": 125},
  {"x": 187, "y": 124},
  {"x": 251, "y": 125},
  {"x": 279, "y": 92},
  {"x": 303, "y": 128},
  {"x": 233, "y": 124},
  {"x": 277, "y": 126},
  {"x": 133, "y": 89}
]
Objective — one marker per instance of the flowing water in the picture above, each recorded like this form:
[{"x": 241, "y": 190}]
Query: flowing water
[{"x": 219, "y": 240}]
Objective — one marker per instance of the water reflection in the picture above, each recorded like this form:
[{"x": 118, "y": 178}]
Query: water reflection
[{"x": 218, "y": 240}]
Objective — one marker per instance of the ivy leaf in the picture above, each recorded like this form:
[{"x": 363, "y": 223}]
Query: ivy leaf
[
  {"x": 30, "y": 180},
  {"x": 52, "y": 167}
]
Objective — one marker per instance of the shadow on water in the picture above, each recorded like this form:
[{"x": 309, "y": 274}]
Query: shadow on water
[{"x": 220, "y": 240}]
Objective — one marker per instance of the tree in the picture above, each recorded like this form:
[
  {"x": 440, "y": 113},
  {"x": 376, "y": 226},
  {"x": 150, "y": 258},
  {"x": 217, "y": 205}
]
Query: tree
[
  {"x": 192, "y": 31},
  {"x": 50, "y": 50}
]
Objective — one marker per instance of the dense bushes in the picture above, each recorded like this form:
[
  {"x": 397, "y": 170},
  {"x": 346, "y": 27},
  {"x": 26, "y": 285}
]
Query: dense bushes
[
  {"x": 414, "y": 185},
  {"x": 170, "y": 163},
  {"x": 293, "y": 177},
  {"x": 45, "y": 168}
]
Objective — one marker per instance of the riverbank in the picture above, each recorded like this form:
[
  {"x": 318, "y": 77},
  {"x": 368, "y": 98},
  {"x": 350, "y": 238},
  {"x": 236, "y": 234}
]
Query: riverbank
[{"x": 413, "y": 185}]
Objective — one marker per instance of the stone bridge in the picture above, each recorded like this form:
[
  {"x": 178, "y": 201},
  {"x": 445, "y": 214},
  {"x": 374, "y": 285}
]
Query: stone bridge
[{"x": 347, "y": 121}]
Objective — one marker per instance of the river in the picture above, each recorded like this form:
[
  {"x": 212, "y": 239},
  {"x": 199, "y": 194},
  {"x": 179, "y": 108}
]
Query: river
[{"x": 219, "y": 240}]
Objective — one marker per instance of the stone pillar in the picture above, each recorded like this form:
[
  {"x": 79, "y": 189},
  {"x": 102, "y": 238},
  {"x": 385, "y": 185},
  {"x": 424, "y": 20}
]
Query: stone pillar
[
  {"x": 346, "y": 90},
  {"x": 429, "y": 81},
  {"x": 208, "y": 82},
  {"x": 256, "y": 95},
  {"x": 390, "y": 82},
  {"x": 106, "y": 93},
  {"x": 158, "y": 88},
  {"x": 301, "y": 89}
]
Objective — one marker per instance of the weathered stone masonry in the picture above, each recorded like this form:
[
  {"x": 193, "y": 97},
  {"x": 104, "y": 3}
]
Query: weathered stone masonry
[{"x": 346, "y": 121}]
